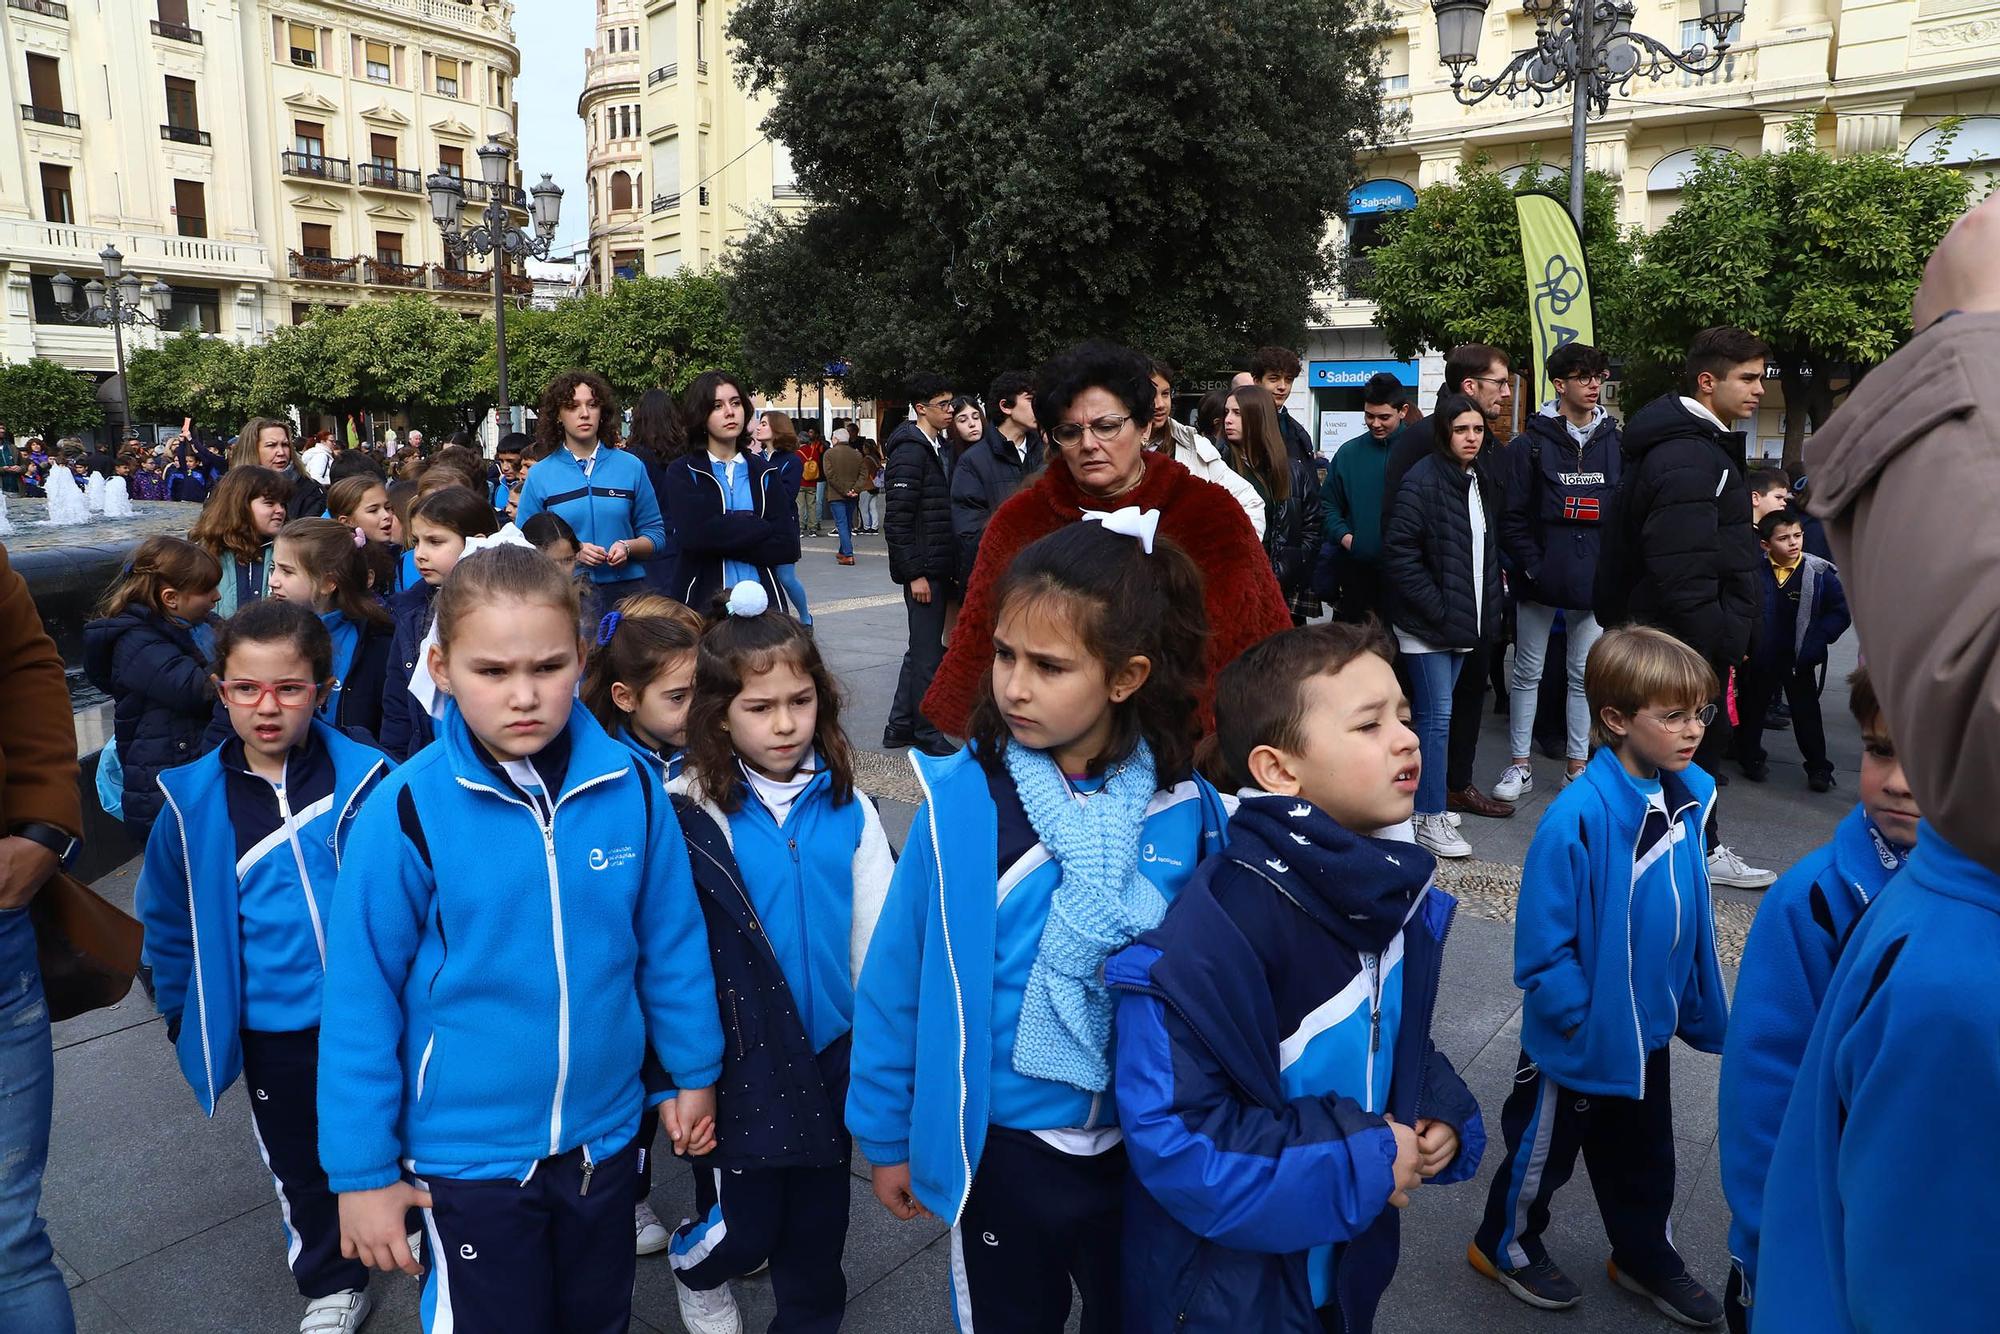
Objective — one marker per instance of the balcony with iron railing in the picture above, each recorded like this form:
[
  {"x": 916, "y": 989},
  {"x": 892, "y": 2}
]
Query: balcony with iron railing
[
  {"x": 323, "y": 268},
  {"x": 663, "y": 73},
  {"x": 68, "y": 120},
  {"x": 182, "y": 134},
  {"x": 461, "y": 280},
  {"x": 317, "y": 166},
  {"x": 478, "y": 192},
  {"x": 48, "y": 9},
  {"x": 666, "y": 203},
  {"x": 388, "y": 176},
  {"x": 394, "y": 273},
  {"x": 179, "y": 32}
]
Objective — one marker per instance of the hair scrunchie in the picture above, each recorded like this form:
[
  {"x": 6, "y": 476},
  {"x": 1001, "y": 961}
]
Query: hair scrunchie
[
  {"x": 748, "y": 598},
  {"x": 608, "y": 627}
]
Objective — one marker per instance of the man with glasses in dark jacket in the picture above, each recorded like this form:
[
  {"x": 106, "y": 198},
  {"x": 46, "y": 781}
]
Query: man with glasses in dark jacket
[
  {"x": 993, "y": 470},
  {"x": 923, "y": 554}
]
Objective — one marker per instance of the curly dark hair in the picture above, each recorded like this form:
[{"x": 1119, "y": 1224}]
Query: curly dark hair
[
  {"x": 1122, "y": 604},
  {"x": 548, "y": 419},
  {"x": 1094, "y": 365},
  {"x": 736, "y": 647}
]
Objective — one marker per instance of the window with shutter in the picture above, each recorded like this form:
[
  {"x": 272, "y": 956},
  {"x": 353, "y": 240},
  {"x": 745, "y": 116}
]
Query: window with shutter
[
  {"x": 308, "y": 138},
  {"x": 182, "y": 110},
  {"x": 451, "y": 161},
  {"x": 375, "y": 59},
  {"x": 304, "y": 39},
  {"x": 389, "y": 247},
  {"x": 45, "y": 83},
  {"x": 316, "y": 240},
  {"x": 191, "y": 208},
  {"x": 382, "y": 149},
  {"x": 174, "y": 12},
  {"x": 447, "y": 76},
  {"x": 56, "y": 203}
]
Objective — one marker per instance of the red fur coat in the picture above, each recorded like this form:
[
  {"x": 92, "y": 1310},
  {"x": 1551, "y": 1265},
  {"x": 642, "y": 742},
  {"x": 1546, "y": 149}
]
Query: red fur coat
[{"x": 1244, "y": 604}]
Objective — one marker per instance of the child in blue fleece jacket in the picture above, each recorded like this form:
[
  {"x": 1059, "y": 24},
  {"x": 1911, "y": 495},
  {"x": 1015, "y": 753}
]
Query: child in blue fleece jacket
[
  {"x": 1277, "y": 1083},
  {"x": 1614, "y": 950},
  {"x": 514, "y": 929},
  {"x": 1788, "y": 964}
]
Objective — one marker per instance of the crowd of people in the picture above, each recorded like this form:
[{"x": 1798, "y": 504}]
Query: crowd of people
[{"x": 479, "y": 852}]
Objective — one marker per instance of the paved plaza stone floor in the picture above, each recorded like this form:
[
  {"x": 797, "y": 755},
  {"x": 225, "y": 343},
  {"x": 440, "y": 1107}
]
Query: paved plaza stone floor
[{"x": 165, "y": 1222}]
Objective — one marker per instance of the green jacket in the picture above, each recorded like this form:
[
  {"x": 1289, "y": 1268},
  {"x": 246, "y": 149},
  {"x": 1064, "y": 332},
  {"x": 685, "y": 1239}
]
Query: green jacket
[{"x": 1351, "y": 500}]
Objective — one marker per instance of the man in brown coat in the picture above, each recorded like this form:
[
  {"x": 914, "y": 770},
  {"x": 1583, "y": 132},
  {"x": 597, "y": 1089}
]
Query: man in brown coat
[
  {"x": 41, "y": 815},
  {"x": 845, "y": 472}
]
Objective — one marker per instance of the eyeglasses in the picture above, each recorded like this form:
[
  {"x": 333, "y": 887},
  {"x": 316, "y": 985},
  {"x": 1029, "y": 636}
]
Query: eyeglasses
[
  {"x": 942, "y": 405},
  {"x": 1492, "y": 379},
  {"x": 1597, "y": 377},
  {"x": 1104, "y": 430},
  {"x": 1680, "y": 718},
  {"x": 245, "y": 693}
]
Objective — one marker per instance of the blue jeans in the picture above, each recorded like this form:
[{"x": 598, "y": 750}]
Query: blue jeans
[
  {"x": 1432, "y": 677},
  {"x": 843, "y": 519},
  {"x": 32, "y": 1295},
  {"x": 788, "y": 579}
]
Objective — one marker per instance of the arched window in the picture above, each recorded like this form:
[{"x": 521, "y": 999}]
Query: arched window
[
  {"x": 1671, "y": 172},
  {"x": 621, "y": 190},
  {"x": 1977, "y": 142}
]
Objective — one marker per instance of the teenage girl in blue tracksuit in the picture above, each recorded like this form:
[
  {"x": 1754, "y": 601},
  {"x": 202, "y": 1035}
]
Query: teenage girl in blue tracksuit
[
  {"x": 1614, "y": 950},
  {"x": 322, "y": 565},
  {"x": 235, "y": 891},
  {"x": 602, "y": 491},
  {"x": 439, "y": 525},
  {"x": 982, "y": 1090},
  {"x": 515, "y": 929},
  {"x": 773, "y": 772},
  {"x": 638, "y": 685}
]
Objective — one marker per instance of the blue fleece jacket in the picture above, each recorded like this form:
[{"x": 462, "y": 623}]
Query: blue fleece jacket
[
  {"x": 495, "y": 972},
  {"x": 1593, "y": 940},
  {"x": 613, "y": 501},
  {"x": 923, "y": 1012},
  {"x": 190, "y": 897},
  {"x": 1787, "y": 965},
  {"x": 1264, "y": 1030},
  {"x": 1880, "y": 1209},
  {"x": 816, "y": 883}
]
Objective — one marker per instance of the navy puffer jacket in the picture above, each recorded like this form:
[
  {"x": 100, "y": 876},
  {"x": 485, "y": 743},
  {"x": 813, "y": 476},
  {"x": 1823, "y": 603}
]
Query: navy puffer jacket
[
  {"x": 159, "y": 681},
  {"x": 1427, "y": 555},
  {"x": 1558, "y": 496}
]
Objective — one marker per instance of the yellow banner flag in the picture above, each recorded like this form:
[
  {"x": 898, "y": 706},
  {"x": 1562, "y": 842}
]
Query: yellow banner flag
[{"x": 1558, "y": 283}]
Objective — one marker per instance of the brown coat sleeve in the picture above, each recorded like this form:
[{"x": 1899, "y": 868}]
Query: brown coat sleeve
[
  {"x": 38, "y": 768},
  {"x": 1907, "y": 478}
]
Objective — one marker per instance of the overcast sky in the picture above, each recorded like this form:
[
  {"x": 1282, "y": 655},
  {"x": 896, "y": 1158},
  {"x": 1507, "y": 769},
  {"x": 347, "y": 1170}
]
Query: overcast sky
[{"x": 553, "y": 35}]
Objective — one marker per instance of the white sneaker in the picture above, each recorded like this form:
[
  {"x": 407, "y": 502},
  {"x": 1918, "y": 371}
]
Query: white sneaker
[
  {"x": 1726, "y": 868},
  {"x": 652, "y": 1233},
  {"x": 1438, "y": 834},
  {"x": 711, "y": 1312},
  {"x": 1516, "y": 781},
  {"x": 337, "y": 1313},
  {"x": 1454, "y": 817}
]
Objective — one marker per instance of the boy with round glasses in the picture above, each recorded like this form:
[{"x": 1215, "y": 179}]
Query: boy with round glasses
[{"x": 1614, "y": 948}]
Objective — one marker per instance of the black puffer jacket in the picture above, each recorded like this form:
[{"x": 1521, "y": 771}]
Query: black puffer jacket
[
  {"x": 1427, "y": 556},
  {"x": 1681, "y": 552},
  {"x": 916, "y": 511},
  {"x": 986, "y": 477},
  {"x": 159, "y": 679},
  {"x": 1558, "y": 495},
  {"x": 1292, "y": 535}
]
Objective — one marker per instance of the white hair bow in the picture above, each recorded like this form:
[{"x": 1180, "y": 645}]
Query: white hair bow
[
  {"x": 1129, "y": 522},
  {"x": 422, "y": 686}
]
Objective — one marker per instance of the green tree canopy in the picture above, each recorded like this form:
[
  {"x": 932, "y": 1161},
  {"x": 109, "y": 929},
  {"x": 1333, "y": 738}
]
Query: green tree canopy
[
  {"x": 213, "y": 380},
  {"x": 1450, "y": 270},
  {"x": 1820, "y": 255},
  {"x": 408, "y": 355},
  {"x": 46, "y": 398},
  {"x": 994, "y": 181},
  {"x": 645, "y": 333}
]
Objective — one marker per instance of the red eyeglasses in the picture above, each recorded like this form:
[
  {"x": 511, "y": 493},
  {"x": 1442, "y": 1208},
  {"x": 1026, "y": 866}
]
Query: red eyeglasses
[{"x": 249, "y": 694}]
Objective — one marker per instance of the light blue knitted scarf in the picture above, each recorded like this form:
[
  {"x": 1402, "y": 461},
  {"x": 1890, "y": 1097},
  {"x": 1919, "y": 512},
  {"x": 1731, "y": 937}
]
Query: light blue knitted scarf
[{"x": 1101, "y": 904}]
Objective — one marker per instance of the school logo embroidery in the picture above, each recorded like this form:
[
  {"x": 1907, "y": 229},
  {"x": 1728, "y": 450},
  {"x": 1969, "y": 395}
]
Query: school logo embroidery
[
  {"x": 465, "y": 1252},
  {"x": 989, "y": 1239},
  {"x": 1580, "y": 509},
  {"x": 603, "y": 859},
  {"x": 263, "y": 1096},
  {"x": 1147, "y": 854},
  {"x": 1883, "y": 852}
]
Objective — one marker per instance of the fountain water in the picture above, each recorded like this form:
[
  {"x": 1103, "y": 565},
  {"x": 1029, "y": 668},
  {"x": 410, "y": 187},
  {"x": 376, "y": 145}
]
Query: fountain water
[
  {"x": 6, "y": 524},
  {"x": 66, "y": 502},
  {"x": 117, "y": 500},
  {"x": 93, "y": 493}
]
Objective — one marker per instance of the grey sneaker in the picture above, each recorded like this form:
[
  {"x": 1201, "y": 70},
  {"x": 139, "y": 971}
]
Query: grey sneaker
[
  {"x": 1437, "y": 833},
  {"x": 337, "y": 1313},
  {"x": 1540, "y": 1284},
  {"x": 1726, "y": 868},
  {"x": 1516, "y": 781}
]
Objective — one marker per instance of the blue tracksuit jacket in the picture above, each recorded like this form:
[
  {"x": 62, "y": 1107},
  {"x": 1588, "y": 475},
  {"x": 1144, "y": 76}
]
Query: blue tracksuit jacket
[
  {"x": 921, "y": 1088},
  {"x": 1886, "y": 1154},
  {"x": 1787, "y": 965},
  {"x": 495, "y": 972},
  {"x": 1575, "y": 952},
  {"x": 1264, "y": 1029},
  {"x": 189, "y": 898},
  {"x": 816, "y": 883},
  {"x": 615, "y": 502}
]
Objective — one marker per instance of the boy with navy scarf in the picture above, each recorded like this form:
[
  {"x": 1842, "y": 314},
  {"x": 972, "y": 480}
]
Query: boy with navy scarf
[
  {"x": 1266, "y": 1140},
  {"x": 1614, "y": 950}
]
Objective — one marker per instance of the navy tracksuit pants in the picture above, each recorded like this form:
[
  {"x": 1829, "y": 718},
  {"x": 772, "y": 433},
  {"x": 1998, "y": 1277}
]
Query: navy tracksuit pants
[
  {"x": 551, "y": 1255},
  {"x": 794, "y": 1218},
  {"x": 1038, "y": 1218},
  {"x": 1628, "y": 1145},
  {"x": 281, "y": 1074}
]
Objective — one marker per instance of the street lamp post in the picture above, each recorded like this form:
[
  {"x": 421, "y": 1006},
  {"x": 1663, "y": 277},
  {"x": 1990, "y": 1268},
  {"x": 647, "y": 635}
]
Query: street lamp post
[
  {"x": 118, "y": 299},
  {"x": 494, "y": 236},
  {"x": 1585, "y": 45}
]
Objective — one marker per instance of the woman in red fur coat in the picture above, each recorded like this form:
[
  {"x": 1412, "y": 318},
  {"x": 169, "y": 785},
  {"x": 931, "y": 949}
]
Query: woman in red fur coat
[{"x": 1102, "y": 395}]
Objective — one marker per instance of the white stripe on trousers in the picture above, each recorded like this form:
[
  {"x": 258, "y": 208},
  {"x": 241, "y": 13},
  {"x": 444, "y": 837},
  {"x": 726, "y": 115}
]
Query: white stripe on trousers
[
  {"x": 443, "y": 1321},
  {"x": 1531, "y": 1177},
  {"x": 961, "y": 1288},
  {"x": 294, "y": 1243}
]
